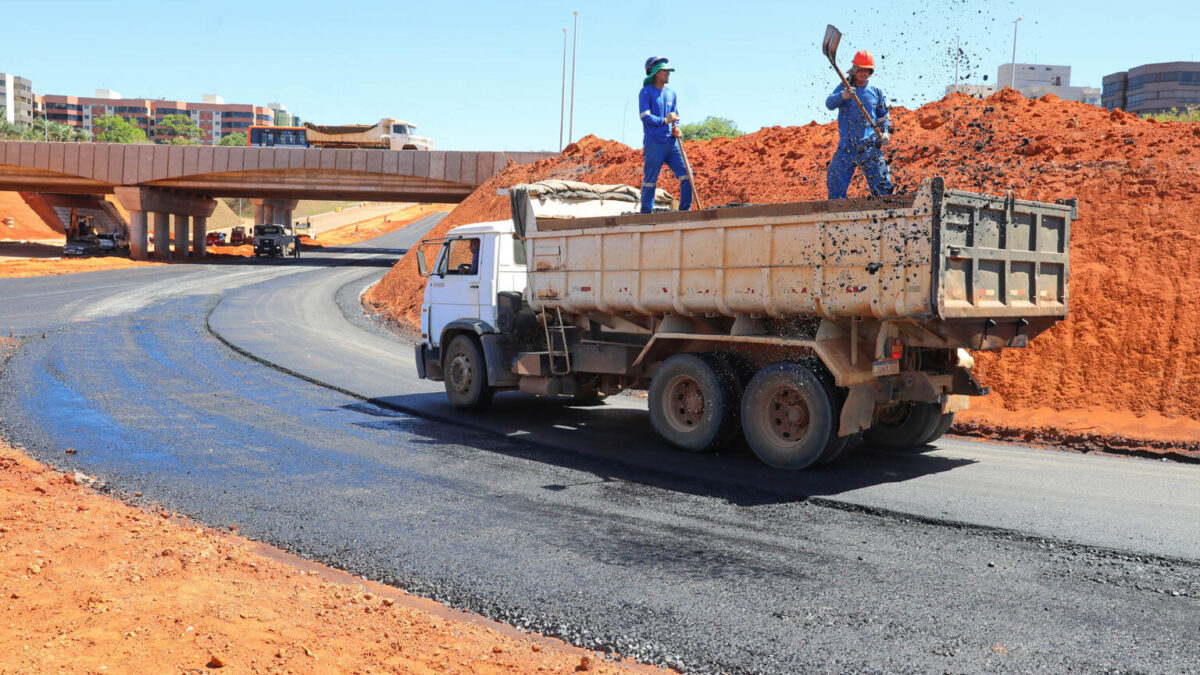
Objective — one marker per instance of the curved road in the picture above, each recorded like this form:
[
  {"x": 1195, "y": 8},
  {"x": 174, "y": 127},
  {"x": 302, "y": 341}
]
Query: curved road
[{"x": 577, "y": 522}]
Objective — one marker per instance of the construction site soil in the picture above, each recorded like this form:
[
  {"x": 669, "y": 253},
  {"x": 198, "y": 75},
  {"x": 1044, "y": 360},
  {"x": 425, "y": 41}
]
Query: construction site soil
[
  {"x": 1122, "y": 373},
  {"x": 93, "y": 585}
]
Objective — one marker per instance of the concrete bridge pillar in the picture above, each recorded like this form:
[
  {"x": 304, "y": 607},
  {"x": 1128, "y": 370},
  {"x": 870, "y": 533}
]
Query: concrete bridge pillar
[
  {"x": 182, "y": 220},
  {"x": 137, "y": 235},
  {"x": 162, "y": 235},
  {"x": 275, "y": 211},
  {"x": 141, "y": 201},
  {"x": 199, "y": 230},
  {"x": 260, "y": 211}
]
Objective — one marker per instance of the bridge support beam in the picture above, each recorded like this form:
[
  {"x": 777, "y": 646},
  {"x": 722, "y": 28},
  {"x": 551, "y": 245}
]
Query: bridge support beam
[
  {"x": 142, "y": 200},
  {"x": 199, "y": 230},
  {"x": 275, "y": 211},
  {"x": 137, "y": 235},
  {"x": 162, "y": 235},
  {"x": 182, "y": 221}
]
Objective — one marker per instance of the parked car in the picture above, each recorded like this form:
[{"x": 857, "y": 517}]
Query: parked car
[
  {"x": 214, "y": 239},
  {"x": 81, "y": 247},
  {"x": 112, "y": 242}
]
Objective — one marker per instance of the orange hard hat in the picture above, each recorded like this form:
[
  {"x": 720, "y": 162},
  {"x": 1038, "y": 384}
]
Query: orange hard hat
[{"x": 864, "y": 59}]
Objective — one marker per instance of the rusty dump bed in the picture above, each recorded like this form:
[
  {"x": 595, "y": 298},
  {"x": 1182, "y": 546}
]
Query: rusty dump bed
[{"x": 933, "y": 254}]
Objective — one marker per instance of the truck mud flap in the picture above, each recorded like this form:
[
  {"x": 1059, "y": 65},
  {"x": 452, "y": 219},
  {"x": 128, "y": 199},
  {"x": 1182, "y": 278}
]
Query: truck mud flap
[
  {"x": 429, "y": 363},
  {"x": 497, "y": 354}
]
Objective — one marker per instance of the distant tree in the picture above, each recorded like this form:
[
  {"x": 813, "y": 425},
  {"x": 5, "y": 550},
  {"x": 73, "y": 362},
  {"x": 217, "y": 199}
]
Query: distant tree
[
  {"x": 710, "y": 128},
  {"x": 177, "y": 130},
  {"x": 235, "y": 139},
  {"x": 113, "y": 129}
]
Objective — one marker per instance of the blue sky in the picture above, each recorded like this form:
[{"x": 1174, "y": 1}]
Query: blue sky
[{"x": 488, "y": 75}]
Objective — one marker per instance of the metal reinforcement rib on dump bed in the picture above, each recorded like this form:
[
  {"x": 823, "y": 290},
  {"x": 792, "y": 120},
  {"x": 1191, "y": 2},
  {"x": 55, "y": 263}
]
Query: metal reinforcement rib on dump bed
[{"x": 986, "y": 271}]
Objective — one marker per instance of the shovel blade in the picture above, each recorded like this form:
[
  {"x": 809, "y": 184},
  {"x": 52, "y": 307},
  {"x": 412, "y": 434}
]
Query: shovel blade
[{"x": 830, "y": 44}]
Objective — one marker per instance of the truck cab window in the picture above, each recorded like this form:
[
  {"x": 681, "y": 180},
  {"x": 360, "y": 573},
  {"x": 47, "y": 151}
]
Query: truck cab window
[{"x": 463, "y": 257}]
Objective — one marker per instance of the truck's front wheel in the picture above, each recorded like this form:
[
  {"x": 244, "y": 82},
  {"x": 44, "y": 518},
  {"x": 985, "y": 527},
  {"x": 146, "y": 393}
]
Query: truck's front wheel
[
  {"x": 693, "y": 403},
  {"x": 788, "y": 415},
  {"x": 465, "y": 375}
]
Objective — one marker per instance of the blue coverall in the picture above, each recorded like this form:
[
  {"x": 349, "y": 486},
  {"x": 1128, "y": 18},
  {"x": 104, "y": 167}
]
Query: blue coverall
[
  {"x": 660, "y": 147},
  {"x": 858, "y": 146}
]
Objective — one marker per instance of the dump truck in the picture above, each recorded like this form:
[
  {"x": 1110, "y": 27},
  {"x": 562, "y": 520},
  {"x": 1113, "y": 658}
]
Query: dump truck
[
  {"x": 801, "y": 329},
  {"x": 386, "y": 134}
]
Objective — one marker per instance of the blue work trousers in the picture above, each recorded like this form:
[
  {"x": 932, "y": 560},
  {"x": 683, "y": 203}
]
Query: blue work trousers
[
  {"x": 657, "y": 154},
  {"x": 867, "y": 157}
]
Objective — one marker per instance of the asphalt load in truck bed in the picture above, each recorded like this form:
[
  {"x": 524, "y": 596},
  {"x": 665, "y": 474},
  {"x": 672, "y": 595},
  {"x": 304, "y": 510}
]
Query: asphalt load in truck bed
[{"x": 1121, "y": 373}]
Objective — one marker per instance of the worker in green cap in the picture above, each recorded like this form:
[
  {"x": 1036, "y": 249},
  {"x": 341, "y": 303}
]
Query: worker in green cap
[{"x": 660, "y": 137}]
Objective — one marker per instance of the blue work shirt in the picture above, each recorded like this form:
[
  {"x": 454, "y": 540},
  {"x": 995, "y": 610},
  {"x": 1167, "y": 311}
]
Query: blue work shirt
[
  {"x": 653, "y": 106},
  {"x": 853, "y": 128}
]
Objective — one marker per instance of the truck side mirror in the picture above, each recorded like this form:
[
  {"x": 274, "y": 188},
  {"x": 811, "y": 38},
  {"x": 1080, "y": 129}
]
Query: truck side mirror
[{"x": 422, "y": 266}]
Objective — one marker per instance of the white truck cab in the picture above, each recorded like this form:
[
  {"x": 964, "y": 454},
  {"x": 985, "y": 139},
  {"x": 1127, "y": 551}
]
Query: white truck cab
[{"x": 473, "y": 263}]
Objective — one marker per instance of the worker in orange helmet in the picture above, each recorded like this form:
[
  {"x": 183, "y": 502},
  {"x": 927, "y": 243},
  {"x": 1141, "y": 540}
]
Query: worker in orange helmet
[{"x": 858, "y": 144}]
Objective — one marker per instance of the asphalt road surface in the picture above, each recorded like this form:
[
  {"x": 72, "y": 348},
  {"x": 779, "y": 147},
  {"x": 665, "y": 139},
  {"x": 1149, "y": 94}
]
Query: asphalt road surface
[{"x": 181, "y": 383}]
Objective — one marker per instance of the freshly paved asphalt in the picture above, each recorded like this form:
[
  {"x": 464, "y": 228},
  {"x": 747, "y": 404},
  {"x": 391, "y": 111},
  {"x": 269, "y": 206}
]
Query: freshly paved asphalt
[{"x": 577, "y": 522}]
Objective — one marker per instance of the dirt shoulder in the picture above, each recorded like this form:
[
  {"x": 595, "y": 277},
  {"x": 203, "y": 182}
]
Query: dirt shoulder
[{"x": 91, "y": 584}]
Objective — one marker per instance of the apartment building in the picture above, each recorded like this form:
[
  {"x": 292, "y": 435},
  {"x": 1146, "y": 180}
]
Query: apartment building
[
  {"x": 17, "y": 99},
  {"x": 1154, "y": 88},
  {"x": 212, "y": 114}
]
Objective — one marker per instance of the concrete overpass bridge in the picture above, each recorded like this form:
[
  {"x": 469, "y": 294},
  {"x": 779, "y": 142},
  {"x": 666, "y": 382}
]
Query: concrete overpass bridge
[{"x": 182, "y": 182}]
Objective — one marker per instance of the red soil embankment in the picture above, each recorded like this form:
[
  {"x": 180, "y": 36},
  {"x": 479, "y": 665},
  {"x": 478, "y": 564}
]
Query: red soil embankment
[
  {"x": 1127, "y": 360},
  {"x": 26, "y": 223}
]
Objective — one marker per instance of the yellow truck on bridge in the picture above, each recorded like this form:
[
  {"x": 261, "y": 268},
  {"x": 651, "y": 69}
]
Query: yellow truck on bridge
[{"x": 798, "y": 327}]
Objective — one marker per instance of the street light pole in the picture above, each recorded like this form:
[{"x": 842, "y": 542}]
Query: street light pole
[
  {"x": 574, "y": 44},
  {"x": 562, "y": 104},
  {"x": 1012, "y": 79}
]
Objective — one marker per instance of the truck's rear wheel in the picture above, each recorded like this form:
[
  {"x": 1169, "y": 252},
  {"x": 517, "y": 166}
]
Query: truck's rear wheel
[
  {"x": 943, "y": 425},
  {"x": 693, "y": 403},
  {"x": 905, "y": 426},
  {"x": 788, "y": 416},
  {"x": 465, "y": 375}
]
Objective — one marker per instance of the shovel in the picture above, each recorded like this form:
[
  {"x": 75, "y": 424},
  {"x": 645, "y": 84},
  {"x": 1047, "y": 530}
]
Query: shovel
[
  {"x": 691, "y": 176},
  {"x": 829, "y": 45}
]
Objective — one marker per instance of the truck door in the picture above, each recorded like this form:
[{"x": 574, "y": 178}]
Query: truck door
[{"x": 454, "y": 289}]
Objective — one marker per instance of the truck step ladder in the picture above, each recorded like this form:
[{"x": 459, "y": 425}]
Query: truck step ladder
[{"x": 553, "y": 355}]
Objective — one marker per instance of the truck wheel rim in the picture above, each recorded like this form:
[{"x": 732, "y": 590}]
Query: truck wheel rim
[
  {"x": 788, "y": 415},
  {"x": 460, "y": 373},
  {"x": 685, "y": 403}
]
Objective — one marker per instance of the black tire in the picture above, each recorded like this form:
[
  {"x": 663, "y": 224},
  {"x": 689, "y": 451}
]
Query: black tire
[
  {"x": 693, "y": 403},
  {"x": 942, "y": 427},
  {"x": 465, "y": 375},
  {"x": 905, "y": 426},
  {"x": 788, "y": 415},
  {"x": 840, "y": 447}
]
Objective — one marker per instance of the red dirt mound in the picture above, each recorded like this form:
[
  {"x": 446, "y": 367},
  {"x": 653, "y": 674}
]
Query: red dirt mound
[
  {"x": 1130, "y": 345},
  {"x": 26, "y": 223}
]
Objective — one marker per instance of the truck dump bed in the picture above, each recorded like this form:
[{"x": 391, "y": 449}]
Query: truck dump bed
[{"x": 995, "y": 270}]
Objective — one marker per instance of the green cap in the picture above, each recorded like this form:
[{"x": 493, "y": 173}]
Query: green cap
[{"x": 661, "y": 65}]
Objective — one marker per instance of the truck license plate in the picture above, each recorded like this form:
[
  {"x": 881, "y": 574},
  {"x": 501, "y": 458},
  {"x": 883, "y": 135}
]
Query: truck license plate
[{"x": 888, "y": 367}]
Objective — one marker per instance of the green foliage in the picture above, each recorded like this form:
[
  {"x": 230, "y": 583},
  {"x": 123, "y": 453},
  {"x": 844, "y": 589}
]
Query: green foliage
[
  {"x": 113, "y": 129},
  {"x": 177, "y": 130},
  {"x": 1177, "y": 115},
  {"x": 710, "y": 128},
  {"x": 41, "y": 131},
  {"x": 9, "y": 131},
  {"x": 236, "y": 139}
]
